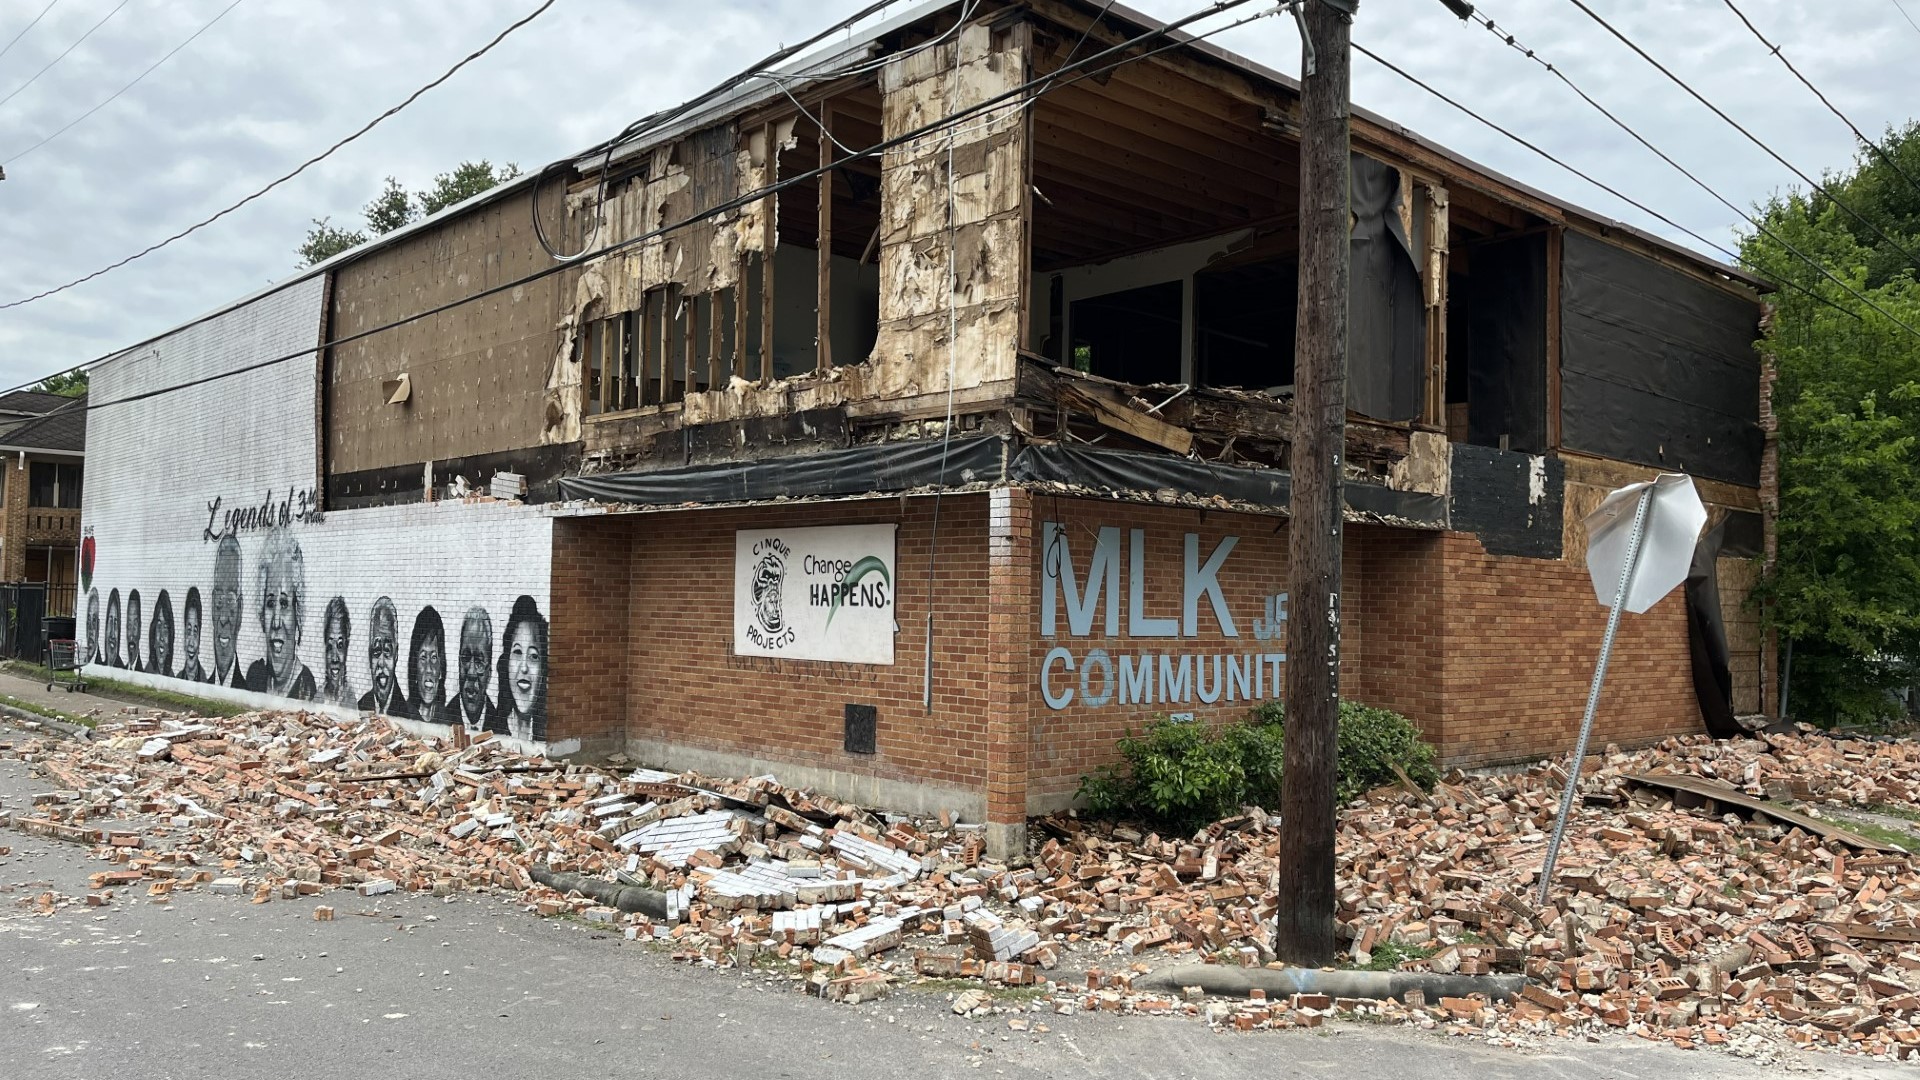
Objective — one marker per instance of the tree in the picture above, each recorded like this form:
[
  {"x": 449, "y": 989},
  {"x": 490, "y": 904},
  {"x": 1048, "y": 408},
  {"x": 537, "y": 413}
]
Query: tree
[
  {"x": 1845, "y": 590},
  {"x": 66, "y": 384},
  {"x": 395, "y": 207}
]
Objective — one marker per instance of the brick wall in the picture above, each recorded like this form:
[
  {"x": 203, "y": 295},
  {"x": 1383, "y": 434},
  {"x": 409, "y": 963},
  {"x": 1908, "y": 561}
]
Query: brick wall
[{"x": 663, "y": 584}]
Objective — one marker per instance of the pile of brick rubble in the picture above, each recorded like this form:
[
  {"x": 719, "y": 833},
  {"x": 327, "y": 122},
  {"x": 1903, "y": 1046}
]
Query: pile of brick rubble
[{"x": 1667, "y": 923}]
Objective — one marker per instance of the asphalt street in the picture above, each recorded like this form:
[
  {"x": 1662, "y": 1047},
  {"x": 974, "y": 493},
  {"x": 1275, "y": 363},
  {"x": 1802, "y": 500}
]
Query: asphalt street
[{"x": 215, "y": 986}]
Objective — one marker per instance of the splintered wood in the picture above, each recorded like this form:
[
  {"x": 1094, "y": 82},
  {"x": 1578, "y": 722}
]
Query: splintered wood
[{"x": 1718, "y": 921}]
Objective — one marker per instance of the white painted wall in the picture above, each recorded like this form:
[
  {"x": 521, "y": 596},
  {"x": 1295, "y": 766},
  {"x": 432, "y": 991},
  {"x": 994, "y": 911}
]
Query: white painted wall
[
  {"x": 1177, "y": 263},
  {"x": 166, "y": 471}
]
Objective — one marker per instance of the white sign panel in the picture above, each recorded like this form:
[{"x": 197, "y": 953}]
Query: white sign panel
[{"x": 815, "y": 594}]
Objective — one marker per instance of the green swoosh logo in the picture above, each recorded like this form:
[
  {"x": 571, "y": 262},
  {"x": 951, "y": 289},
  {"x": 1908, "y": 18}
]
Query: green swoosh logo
[{"x": 869, "y": 565}]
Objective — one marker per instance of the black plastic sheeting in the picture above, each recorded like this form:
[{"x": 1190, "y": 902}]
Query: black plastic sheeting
[
  {"x": 1707, "y": 637},
  {"x": 895, "y": 467},
  {"x": 1507, "y": 345},
  {"x": 1386, "y": 335},
  {"x": 1657, "y": 367},
  {"x": 1124, "y": 470},
  {"x": 1493, "y": 498},
  {"x": 855, "y": 470}
]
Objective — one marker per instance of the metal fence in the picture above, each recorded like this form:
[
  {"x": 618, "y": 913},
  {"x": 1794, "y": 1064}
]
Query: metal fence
[{"x": 22, "y": 606}]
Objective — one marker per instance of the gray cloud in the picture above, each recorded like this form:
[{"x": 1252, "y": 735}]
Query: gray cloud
[{"x": 277, "y": 80}]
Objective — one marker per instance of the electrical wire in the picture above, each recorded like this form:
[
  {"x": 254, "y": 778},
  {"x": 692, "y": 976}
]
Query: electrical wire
[
  {"x": 1596, "y": 182},
  {"x": 726, "y": 207},
  {"x": 1904, "y": 15},
  {"x": 303, "y": 167},
  {"x": 136, "y": 81},
  {"x": 63, "y": 55},
  {"x": 1851, "y": 126},
  {"x": 15, "y": 40},
  {"x": 1751, "y": 137},
  {"x": 1757, "y": 223}
]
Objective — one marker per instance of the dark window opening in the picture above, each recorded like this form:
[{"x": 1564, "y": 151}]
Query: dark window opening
[
  {"x": 1133, "y": 336},
  {"x": 1245, "y": 319},
  {"x": 1497, "y": 343}
]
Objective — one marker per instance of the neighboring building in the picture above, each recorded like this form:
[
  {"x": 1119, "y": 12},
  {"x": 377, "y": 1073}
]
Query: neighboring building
[
  {"x": 43, "y": 441},
  {"x": 926, "y": 484}
]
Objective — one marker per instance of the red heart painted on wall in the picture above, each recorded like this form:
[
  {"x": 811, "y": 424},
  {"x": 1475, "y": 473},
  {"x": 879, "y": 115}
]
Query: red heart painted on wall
[{"x": 86, "y": 564}]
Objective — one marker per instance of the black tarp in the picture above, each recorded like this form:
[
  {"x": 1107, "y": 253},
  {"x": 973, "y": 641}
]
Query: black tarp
[
  {"x": 893, "y": 467},
  {"x": 1657, "y": 367},
  {"x": 1507, "y": 345},
  {"x": 1386, "y": 335},
  {"x": 1707, "y": 637},
  {"x": 855, "y": 470}
]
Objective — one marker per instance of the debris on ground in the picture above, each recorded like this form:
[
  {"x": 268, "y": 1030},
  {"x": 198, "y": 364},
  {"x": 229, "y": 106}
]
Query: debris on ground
[{"x": 1707, "y": 910}]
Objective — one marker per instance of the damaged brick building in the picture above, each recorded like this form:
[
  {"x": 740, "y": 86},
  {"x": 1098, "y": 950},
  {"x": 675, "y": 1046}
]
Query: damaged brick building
[{"x": 915, "y": 423}]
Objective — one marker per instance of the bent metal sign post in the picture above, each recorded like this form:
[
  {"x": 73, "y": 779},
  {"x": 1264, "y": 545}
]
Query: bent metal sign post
[{"x": 815, "y": 594}]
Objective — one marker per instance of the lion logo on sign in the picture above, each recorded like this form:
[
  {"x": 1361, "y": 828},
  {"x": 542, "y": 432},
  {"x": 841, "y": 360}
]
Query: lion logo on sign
[{"x": 769, "y": 580}]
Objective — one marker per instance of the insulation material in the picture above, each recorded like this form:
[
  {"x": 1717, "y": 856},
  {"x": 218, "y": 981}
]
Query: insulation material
[
  {"x": 1657, "y": 366},
  {"x": 980, "y": 168},
  {"x": 1386, "y": 369},
  {"x": 1507, "y": 345},
  {"x": 693, "y": 175}
]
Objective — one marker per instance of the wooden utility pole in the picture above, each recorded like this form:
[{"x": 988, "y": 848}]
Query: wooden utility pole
[{"x": 1304, "y": 929}]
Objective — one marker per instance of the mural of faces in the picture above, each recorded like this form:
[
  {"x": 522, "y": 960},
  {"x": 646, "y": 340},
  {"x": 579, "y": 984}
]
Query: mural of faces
[
  {"x": 226, "y": 612},
  {"x": 93, "y": 624},
  {"x": 133, "y": 631},
  {"x": 515, "y": 664},
  {"x": 160, "y": 636},
  {"x": 427, "y": 668},
  {"x": 113, "y": 629},
  {"x": 336, "y": 637},
  {"x": 190, "y": 668}
]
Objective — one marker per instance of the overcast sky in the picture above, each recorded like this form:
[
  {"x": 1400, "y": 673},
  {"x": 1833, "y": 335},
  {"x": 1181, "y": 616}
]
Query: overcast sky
[{"x": 274, "y": 81}]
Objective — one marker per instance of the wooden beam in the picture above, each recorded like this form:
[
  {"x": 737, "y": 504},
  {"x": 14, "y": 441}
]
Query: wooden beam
[
  {"x": 715, "y": 339},
  {"x": 1554, "y": 248},
  {"x": 1119, "y": 416},
  {"x": 770, "y": 240},
  {"x": 823, "y": 241},
  {"x": 1434, "y": 269},
  {"x": 690, "y": 335}
]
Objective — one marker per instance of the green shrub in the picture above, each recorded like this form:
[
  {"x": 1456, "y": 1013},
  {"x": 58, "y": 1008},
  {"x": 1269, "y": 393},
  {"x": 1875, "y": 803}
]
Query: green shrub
[{"x": 1186, "y": 774}]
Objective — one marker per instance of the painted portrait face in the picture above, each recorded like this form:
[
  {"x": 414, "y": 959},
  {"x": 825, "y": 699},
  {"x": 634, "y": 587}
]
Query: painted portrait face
[
  {"x": 430, "y": 663},
  {"x": 526, "y": 670},
  {"x": 133, "y": 628},
  {"x": 336, "y": 643},
  {"x": 280, "y": 621},
  {"x": 93, "y": 625},
  {"x": 476, "y": 649},
  {"x": 190, "y": 634},
  {"x": 160, "y": 640},
  {"x": 112, "y": 638},
  {"x": 226, "y": 613},
  {"x": 383, "y": 649}
]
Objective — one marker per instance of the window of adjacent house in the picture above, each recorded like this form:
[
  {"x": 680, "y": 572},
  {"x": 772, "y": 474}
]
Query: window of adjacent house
[{"x": 53, "y": 485}]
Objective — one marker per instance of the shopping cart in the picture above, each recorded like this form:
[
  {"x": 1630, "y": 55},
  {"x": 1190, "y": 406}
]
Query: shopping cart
[{"x": 62, "y": 656}]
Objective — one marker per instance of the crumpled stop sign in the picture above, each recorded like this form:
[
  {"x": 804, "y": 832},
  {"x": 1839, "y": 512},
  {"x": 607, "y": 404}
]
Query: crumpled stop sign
[{"x": 1672, "y": 529}]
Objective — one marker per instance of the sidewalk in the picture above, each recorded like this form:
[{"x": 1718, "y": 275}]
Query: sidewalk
[{"x": 35, "y": 693}]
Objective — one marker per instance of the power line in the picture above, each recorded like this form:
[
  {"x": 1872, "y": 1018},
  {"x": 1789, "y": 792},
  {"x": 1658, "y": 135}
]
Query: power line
[
  {"x": 1904, "y": 15},
  {"x": 322, "y": 155},
  {"x": 1855, "y": 128},
  {"x": 1602, "y": 185},
  {"x": 1041, "y": 84},
  {"x": 1758, "y": 224},
  {"x": 62, "y": 56},
  {"x": 136, "y": 80},
  {"x": 1751, "y": 137},
  {"x": 23, "y": 30}
]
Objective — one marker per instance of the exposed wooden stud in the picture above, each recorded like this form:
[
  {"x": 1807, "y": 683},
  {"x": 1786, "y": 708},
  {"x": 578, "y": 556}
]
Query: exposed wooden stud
[
  {"x": 715, "y": 340},
  {"x": 1023, "y": 334},
  {"x": 1554, "y": 247},
  {"x": 690, "y": 334},
  {"x": 771, "y": 241},
  {"x": 1435, "y": 271},
  {"x": 597, "y": 343},
  {"x": 823, "y": 241}
]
